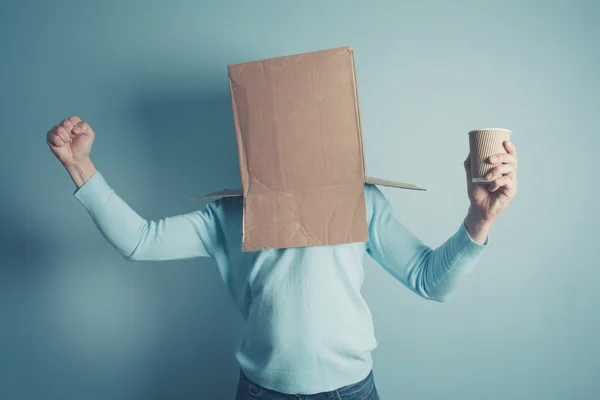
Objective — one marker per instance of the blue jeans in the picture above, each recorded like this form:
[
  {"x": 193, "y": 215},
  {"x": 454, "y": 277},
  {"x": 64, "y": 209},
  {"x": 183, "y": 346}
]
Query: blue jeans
[{"x": 363, "y": 390}]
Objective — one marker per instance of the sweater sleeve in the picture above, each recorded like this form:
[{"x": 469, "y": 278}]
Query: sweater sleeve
[
  {"x": 178, "y": 237},
  {"x": 431, "y": 273}
]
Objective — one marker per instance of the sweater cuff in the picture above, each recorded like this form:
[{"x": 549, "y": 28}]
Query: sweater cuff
[
  {"x": 467, "y": 243},
  {"x": 94, "y": 193}
]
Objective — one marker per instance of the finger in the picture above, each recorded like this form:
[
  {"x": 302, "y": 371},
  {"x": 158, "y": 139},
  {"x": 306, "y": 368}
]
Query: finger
[
  {"x": 511, "y": 148},
  {"x": 52, "y": 132},
  {"x": 68, "y": 125},
  {"x": 55, "y": 140},
  {"x": 503, "y": 181},
  {"x": 503, "y": 158},
  {"x": 62, "y": 133},
  {"x": 74, "y": 119},
  {"x": 467, "y": 164},
  {"x": 82, "y": 127},
  {"x": 500, "y": 170},
  {"x": 49, "y": 135}
]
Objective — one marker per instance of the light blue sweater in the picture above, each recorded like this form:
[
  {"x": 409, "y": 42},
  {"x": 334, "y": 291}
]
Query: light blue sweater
[{"x": 308, "y": 328}]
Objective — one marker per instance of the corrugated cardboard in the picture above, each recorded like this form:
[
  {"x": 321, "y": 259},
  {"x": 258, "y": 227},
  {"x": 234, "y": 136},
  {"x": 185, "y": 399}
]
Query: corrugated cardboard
[{"x": 299, "y": 138}]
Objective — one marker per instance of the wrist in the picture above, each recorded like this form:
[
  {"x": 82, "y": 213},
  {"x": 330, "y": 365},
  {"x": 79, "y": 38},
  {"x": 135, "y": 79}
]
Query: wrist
[
  {"x": 81, "y": 171},
  {"x": 475, "y": 215},
  {"x": 477, "y": 225}
]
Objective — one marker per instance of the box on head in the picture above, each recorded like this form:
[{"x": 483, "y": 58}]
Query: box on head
[{"x": 300, "y": 149}]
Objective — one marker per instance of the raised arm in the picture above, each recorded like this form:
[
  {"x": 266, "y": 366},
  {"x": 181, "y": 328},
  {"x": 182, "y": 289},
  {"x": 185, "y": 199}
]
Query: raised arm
[
  {"x": 182, "y": 236},
  {"x": 431, "y": 273}
]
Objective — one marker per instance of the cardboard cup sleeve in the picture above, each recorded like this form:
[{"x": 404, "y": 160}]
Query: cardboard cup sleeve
[{"x": 482, "y": 144}]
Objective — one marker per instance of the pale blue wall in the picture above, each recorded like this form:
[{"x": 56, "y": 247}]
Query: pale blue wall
[{"x": 79, "y": 322}]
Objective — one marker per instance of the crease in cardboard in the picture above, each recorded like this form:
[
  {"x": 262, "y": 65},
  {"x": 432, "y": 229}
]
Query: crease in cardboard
[
  {"x": 305, "y": 233},
  {"x": 358, "y": 121},
  {"x": 332, "y": 216},
  {"x": 334, "y": 209},
  {"x": 241, "y": 154},
  {"x": 240, "y": 144},
  {"x": 356, "y": 219},
  {"x": 239, "y": 69},
  {"x": 255, "y": 179}
]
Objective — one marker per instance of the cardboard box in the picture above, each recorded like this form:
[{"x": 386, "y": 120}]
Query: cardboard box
[{"x": 300, "y": 148}]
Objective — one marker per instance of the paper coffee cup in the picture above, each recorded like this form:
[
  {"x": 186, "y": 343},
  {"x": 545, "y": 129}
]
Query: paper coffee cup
[{"x": 484, "y": 143}]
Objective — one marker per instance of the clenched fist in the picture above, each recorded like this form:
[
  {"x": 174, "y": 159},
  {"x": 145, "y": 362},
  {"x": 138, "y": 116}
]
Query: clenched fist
[{"x": 71, "y": 142}]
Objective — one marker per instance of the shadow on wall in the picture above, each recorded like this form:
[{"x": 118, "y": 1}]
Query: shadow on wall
[
  {"x": 24, "y": 254},
  {"x": 191, "y": 143},
  {"x": 13, "y": 251}
]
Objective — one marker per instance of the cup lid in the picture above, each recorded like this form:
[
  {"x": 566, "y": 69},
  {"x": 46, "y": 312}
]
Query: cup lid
[{"x": 490, "y": 129}]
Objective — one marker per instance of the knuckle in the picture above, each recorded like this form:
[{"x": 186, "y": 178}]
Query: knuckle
[{"x": 63, "y": 134}]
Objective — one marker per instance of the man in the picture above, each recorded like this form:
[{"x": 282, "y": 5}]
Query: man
[{"x": 308, "y": 333}]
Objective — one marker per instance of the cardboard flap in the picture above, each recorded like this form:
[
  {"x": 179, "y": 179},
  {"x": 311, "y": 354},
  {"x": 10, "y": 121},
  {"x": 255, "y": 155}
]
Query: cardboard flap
[
  {"x": 383, "y": 182},
  {"x": 222, "y": 193}
]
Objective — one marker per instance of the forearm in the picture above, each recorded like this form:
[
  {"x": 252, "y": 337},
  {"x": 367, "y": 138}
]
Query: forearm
[
  {"x": 431, "y": 273},
  {"x": 440, "y": 270},
  {"x": 135, "y": 237},
  {"x": 116, "y": 221},
  {"x": 81, "y": 172}
]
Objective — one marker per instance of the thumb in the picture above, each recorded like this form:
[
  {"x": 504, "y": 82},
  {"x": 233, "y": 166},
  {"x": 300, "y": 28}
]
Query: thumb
[
  {"x": 82, "y": 128},
  {"x": 467, "y": 165}
]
